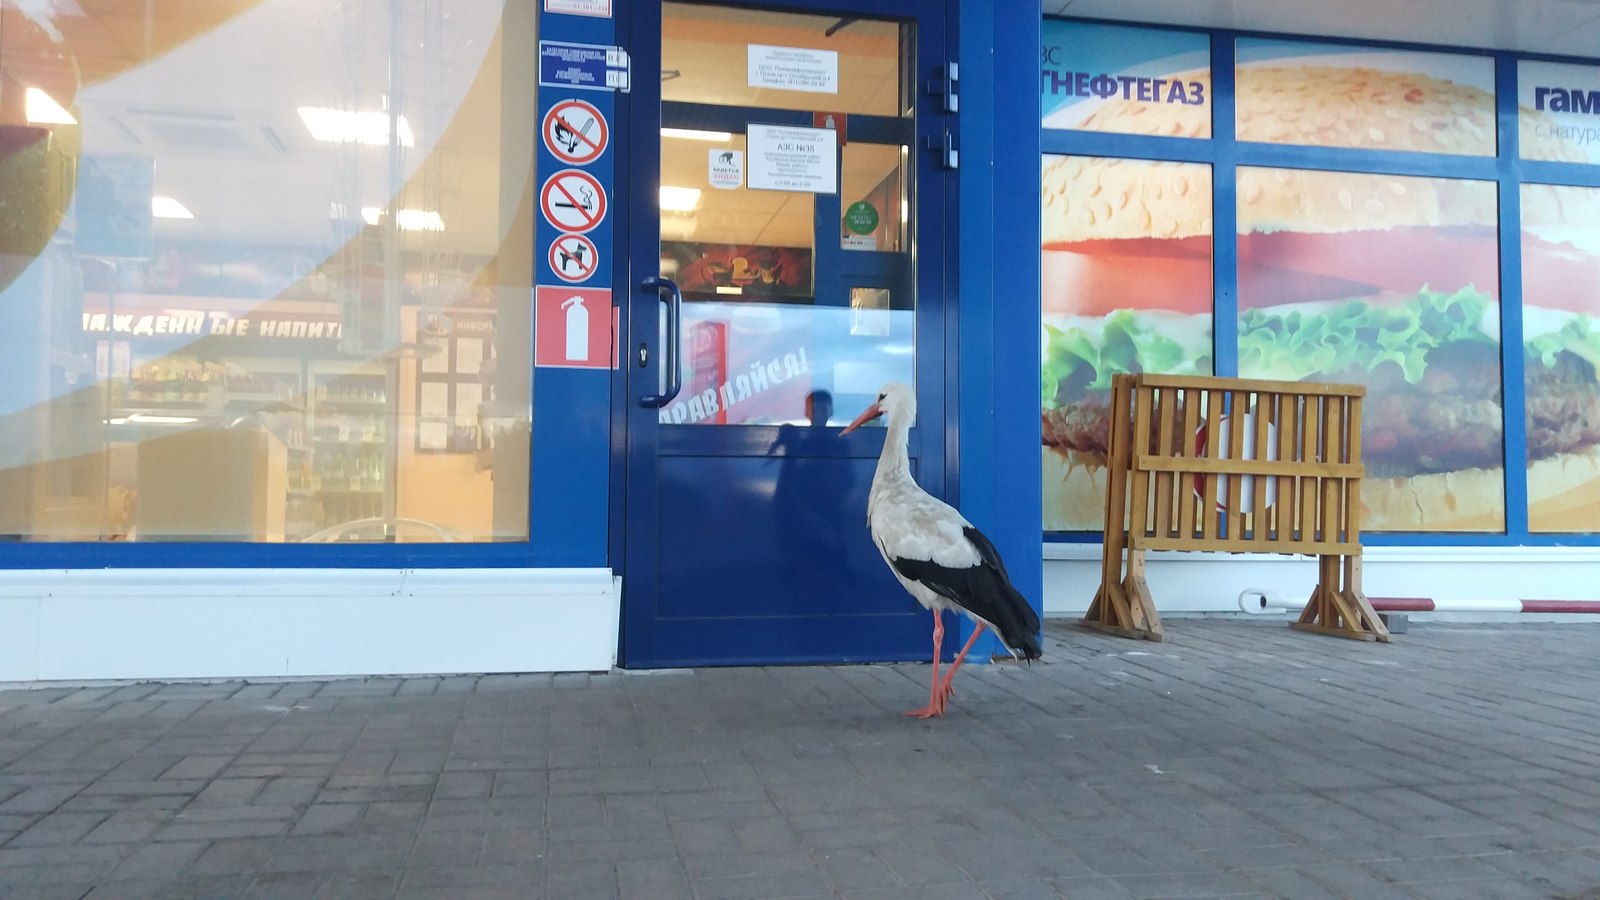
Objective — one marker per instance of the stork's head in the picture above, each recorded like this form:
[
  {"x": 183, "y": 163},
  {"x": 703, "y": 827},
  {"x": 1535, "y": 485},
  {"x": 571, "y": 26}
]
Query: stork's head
[{"x": 897, "y": 401}]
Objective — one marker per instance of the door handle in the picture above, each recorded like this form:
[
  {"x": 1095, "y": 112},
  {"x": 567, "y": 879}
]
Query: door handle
[{"x": 668, "y": 291}]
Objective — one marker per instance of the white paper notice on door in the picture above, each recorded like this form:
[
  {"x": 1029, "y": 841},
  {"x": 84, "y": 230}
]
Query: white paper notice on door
[
  {"x": 793, "y": 69},
  {"x": 788, "y": 158}
]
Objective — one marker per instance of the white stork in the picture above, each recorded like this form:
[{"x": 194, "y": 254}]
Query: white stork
[{"x": 937, "y": 554}]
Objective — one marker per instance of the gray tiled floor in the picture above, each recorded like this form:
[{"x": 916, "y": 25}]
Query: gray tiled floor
[{"x": 1237, "y": 759}]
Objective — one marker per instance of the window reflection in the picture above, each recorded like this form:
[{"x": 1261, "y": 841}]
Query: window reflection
[
  {"x": 756, "y": 363},
  {"x": 234, "y": 272}
]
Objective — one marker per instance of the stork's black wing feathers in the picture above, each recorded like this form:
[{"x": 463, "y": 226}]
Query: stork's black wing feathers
[{"x": 984, "y": 589}]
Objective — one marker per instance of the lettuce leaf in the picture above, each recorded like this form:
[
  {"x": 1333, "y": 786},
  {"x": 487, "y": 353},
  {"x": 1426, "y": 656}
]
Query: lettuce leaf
[
  {"x": 1579, "y": 336},
  {"x": 1076, "y": 362},
  {"x": 1358, "y": 336}
]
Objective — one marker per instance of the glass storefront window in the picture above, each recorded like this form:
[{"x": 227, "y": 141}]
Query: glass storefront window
[
  {"x": 781, "y": 60},
  {"x": 1341, "y": 95},
  {"x": 1125, "y": 80},
  {"x": 796, "y": 286},
  {"x": 1561, "y": 334},
  {"x": 875, "y": 200},
  {"x": 1556, "y": 107},
  {"x": 259, "y": 301},
  {"x": 1391, "y": 282},
  {"x": 1127, "y": 282}
]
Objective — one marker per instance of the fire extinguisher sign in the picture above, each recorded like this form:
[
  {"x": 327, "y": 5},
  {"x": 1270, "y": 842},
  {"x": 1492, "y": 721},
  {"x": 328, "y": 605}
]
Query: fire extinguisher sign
[{"x": 574, "y": 328}]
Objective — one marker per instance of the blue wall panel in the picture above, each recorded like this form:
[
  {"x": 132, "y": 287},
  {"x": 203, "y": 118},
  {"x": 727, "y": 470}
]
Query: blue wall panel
[{"x": 998, "y": 286}]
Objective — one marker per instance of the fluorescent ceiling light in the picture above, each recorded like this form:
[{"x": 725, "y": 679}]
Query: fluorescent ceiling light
[
  {"x": 693, "y": 134},
  {"x": 340, "y": 126},
  {"x": 42, "y": 109},
  {"x": 143, "y": 419},
  {"x": 679, "y": 199},
  {"x": 407, "y": 219},
  {"x": 168, "y": 208}
]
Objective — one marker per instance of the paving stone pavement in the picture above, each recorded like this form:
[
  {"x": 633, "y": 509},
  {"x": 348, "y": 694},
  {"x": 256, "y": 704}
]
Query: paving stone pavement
[{"x": 1237, "y": 759}]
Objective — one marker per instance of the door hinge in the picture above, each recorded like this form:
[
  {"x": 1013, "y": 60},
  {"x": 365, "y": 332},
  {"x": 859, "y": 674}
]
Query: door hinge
[
  {"x": 945, "y": 147},
  {"x": 945, "y": 85}
]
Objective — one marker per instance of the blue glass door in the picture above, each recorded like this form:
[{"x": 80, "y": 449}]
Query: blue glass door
[{"x": 789, "y": 255}]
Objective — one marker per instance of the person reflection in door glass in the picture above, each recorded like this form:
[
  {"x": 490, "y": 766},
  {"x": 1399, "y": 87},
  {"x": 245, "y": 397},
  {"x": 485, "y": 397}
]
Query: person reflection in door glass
[{"x": 812, "y": 500}]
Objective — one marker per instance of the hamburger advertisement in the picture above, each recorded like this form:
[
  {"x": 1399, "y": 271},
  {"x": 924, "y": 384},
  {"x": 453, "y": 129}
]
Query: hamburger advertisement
[
  {"x": 1561, "y": 350},
  {"x": 1127, "y": 288},
  {"x": 1126, "y": 250},
  {"x": 1383, "y": 280},
  {"x": 1390, "y": 282}
]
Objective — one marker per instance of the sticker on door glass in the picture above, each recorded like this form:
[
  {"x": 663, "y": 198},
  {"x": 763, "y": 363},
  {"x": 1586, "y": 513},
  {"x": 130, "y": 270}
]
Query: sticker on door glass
[
  {"x": 793, "y": 69},
  {"x": 787, "y": 158},
  {"x": 726, "y": 170}
]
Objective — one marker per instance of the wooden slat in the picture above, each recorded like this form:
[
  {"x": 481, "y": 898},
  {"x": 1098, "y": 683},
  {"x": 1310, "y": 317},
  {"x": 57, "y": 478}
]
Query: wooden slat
[
  {"x": 1138, "y": 505},
  {"x": 1166, "y": 444},
  {"x": 1307, "y": 548},
  {"x": 1207, "y": 382},
  {"x": 1150, "y": 463},
  {"x": 1305, "y": 524},
  {"x": 1264, "y": 453},
  {"x": 1208, "y": 504},
  {"x": 1188, "y": 500},
  {"x": 1332, "y": 439},
  {"x": 1352, "y": 486},
  {"x": 1238, "y": 407},
  {"x": 1288, "y": 432}
]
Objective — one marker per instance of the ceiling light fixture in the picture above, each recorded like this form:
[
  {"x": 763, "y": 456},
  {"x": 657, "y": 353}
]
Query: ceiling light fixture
[
  {"x": 42, "y": 109},
  {"x": 168, "y": 208},
  {"x": 144, "y": 419},
  {"x": 679, "y": 199},
  {"x": 339, "y": 126},
  {"x": 695, "y": 134},
  {"x": 407, "y": 219}
]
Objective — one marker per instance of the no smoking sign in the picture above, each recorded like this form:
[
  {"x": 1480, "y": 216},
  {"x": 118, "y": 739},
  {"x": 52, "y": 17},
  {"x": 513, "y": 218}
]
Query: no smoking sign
[{"x": 573, "y": 201}]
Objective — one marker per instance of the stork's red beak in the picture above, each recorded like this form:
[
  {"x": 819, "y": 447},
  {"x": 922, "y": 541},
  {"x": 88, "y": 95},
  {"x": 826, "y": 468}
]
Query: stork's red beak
[{"x": 871, "y": 412}]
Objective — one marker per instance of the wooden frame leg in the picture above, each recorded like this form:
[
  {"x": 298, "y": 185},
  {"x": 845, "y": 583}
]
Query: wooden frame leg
[
  {"x": 1337, "y": 605},
  {"x": 1125, "y": 608}
]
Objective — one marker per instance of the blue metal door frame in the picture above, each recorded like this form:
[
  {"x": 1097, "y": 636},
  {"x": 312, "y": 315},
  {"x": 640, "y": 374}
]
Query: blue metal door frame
[{"x": 643, "y": 498}]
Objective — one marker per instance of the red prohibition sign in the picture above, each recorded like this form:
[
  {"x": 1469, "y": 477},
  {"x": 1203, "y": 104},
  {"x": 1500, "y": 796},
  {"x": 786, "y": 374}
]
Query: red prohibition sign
[
  {"x": 573, "y": 258},
  {"x": 573, "y": 200},
  {"x": 576, "y": 132}
]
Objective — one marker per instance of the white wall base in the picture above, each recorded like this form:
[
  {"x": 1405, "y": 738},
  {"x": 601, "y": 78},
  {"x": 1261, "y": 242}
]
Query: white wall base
[
  {"x": 1212, "y": 582},
  {"x": 87, "y": 624}
]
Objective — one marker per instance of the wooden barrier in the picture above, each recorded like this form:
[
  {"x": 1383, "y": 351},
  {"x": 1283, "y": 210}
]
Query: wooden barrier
[{"x": 1285, "y": 477}]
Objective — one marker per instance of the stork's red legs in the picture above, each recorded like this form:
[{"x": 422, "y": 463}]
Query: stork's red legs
[
  {"x": 950, "y": 676},
  {"x": 935, "y": 705},
  {"x": 939, "y": 692}
]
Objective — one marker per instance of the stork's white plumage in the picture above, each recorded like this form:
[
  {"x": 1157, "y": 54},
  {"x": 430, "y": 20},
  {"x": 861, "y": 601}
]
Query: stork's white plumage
[{"x": 940, "y": 558}]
